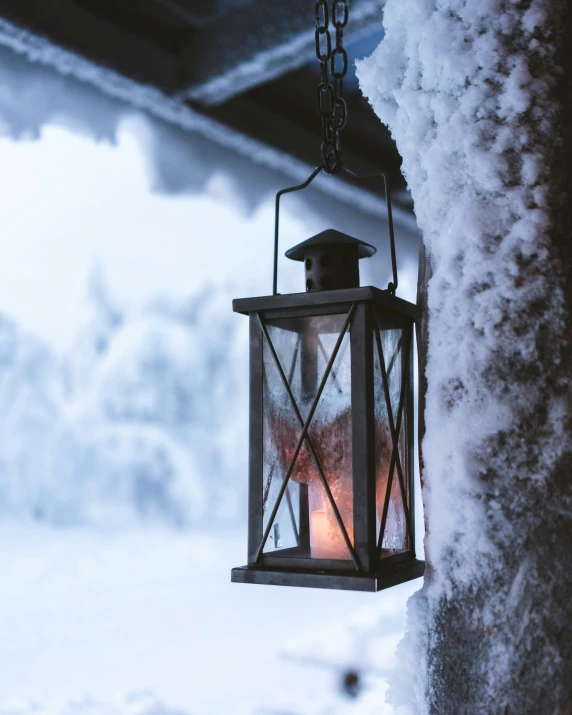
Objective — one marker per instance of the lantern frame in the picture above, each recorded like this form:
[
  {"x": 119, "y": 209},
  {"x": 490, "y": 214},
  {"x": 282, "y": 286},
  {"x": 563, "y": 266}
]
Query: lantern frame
[{"x": 366, "y": 570}]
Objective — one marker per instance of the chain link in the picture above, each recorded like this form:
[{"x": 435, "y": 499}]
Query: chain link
[{"x": 332, "y": 107}]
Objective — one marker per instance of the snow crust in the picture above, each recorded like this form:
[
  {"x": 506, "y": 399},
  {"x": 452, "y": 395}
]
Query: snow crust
[{"x": 466, "y": 88}]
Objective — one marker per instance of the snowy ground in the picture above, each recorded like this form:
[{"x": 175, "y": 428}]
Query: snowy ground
[{"x": 148, "y": 621}]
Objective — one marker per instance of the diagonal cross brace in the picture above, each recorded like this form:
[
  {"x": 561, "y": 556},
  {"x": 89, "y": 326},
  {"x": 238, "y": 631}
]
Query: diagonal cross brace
[
  {"x": 309, "y": 442},
  {"x": 394, "y": 356},
  {"x": 271, "y": 473},
  {"x": 395, "y": 430},
  {"x": 325, "y": 356},
  {"x": 304, "y": 437}
]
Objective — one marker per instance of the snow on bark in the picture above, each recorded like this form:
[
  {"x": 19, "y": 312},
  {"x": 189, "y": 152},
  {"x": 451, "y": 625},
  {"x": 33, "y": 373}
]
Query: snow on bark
[{"x": 472, "y": 91}]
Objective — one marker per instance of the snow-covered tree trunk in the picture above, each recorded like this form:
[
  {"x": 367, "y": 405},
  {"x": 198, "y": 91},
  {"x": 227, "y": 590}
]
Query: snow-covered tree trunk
[{"x": 477, "y": 94}]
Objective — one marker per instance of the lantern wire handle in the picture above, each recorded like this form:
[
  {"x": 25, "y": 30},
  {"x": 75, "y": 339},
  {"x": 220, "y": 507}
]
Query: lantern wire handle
[
  {"x": 392, "y": 286},
  {"x": 279, "y": 195}
]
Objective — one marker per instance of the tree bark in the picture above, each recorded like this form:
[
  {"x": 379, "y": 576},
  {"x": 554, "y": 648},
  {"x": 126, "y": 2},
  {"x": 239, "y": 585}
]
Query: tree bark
[{"x": 477, "y": 94}]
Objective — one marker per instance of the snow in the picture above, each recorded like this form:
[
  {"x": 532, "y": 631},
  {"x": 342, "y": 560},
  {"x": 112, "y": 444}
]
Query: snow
[
  {"x": 133, "y": 340},
  {"x": 140, "y": 418},
  {"x": 117, "y": 596},
  {"x": 140, "y": 703},
  {"x": 123, "y": 431},
  {"x": 457, "y": 83},
  {"x": 86, "y": 197},
  {"x": 123, "y": 445},
  {"x": 138, "y": 621},
  {"x": 254, "y": 165}
]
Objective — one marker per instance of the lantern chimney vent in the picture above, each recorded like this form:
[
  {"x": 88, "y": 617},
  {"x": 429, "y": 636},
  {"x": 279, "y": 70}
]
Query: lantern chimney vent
[{"x": 331, "y": 260}]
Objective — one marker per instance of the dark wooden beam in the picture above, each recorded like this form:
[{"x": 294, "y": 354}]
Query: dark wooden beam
[
  {"x": 301, "y": 140},
  {"x": 208, "y": 53},
  {"x": 255, "y": 42},
  {"x": 110, "y": 34}
]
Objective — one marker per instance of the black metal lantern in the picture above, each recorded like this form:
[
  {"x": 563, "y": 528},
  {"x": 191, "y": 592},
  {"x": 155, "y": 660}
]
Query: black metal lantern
[
  {"x": 331, "y": 496},
  {"x": 331, "y": 397}
]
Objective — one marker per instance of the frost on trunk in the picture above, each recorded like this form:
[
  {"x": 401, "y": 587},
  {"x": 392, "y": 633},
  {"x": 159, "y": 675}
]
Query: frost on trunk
[{"x": 477, "y": 96}]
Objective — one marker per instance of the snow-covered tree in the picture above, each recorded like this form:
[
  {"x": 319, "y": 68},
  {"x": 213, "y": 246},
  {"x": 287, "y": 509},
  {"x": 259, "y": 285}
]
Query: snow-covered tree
[
  {"x": 30, "y": 403},
  {"x": 477, "y": 94},
  {"x": 93, "y": 339},
  {"x": 156, "y": 411},
  {"x": 142, "y": 418}
]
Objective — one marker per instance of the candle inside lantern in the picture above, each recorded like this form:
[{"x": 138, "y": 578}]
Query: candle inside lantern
[{"x": 326, "y": 541}]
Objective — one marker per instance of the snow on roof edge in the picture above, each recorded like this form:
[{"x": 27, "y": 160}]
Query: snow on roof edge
[{"x": 172, "y": 110}]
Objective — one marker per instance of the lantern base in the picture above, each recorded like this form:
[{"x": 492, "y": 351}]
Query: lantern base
[{"x": 342, "y": 581}]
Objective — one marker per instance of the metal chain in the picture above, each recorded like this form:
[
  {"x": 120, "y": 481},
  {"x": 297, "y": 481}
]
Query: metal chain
[{"x": 332, "y": 106}]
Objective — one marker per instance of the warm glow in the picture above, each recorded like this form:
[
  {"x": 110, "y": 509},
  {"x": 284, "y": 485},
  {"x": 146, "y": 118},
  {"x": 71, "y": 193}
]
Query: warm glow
[
  {"x": 323, "y": 466},
  {"x": 326, "y": 541}
]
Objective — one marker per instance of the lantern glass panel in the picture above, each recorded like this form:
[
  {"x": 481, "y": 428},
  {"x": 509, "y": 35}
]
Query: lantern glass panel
[
  {"x": 395, "y": 537},
  {"x": 305, "y": 524}
]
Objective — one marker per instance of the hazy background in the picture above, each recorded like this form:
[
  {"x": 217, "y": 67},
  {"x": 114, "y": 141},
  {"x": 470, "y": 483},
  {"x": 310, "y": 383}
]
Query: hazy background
[{"x": 123, "y": 422}]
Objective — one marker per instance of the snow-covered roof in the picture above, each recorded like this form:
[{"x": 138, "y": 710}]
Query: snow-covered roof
[{"x": 240, "y": 72}]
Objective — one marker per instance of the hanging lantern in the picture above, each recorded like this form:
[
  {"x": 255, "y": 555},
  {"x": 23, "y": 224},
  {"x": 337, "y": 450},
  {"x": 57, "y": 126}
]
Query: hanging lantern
[
  {"x": 331, "y": 426},
  {"x": 331, "y": 497}
]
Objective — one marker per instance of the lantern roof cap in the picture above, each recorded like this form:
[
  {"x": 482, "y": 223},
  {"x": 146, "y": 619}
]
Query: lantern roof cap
[{"x": 330, "y": 237}]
